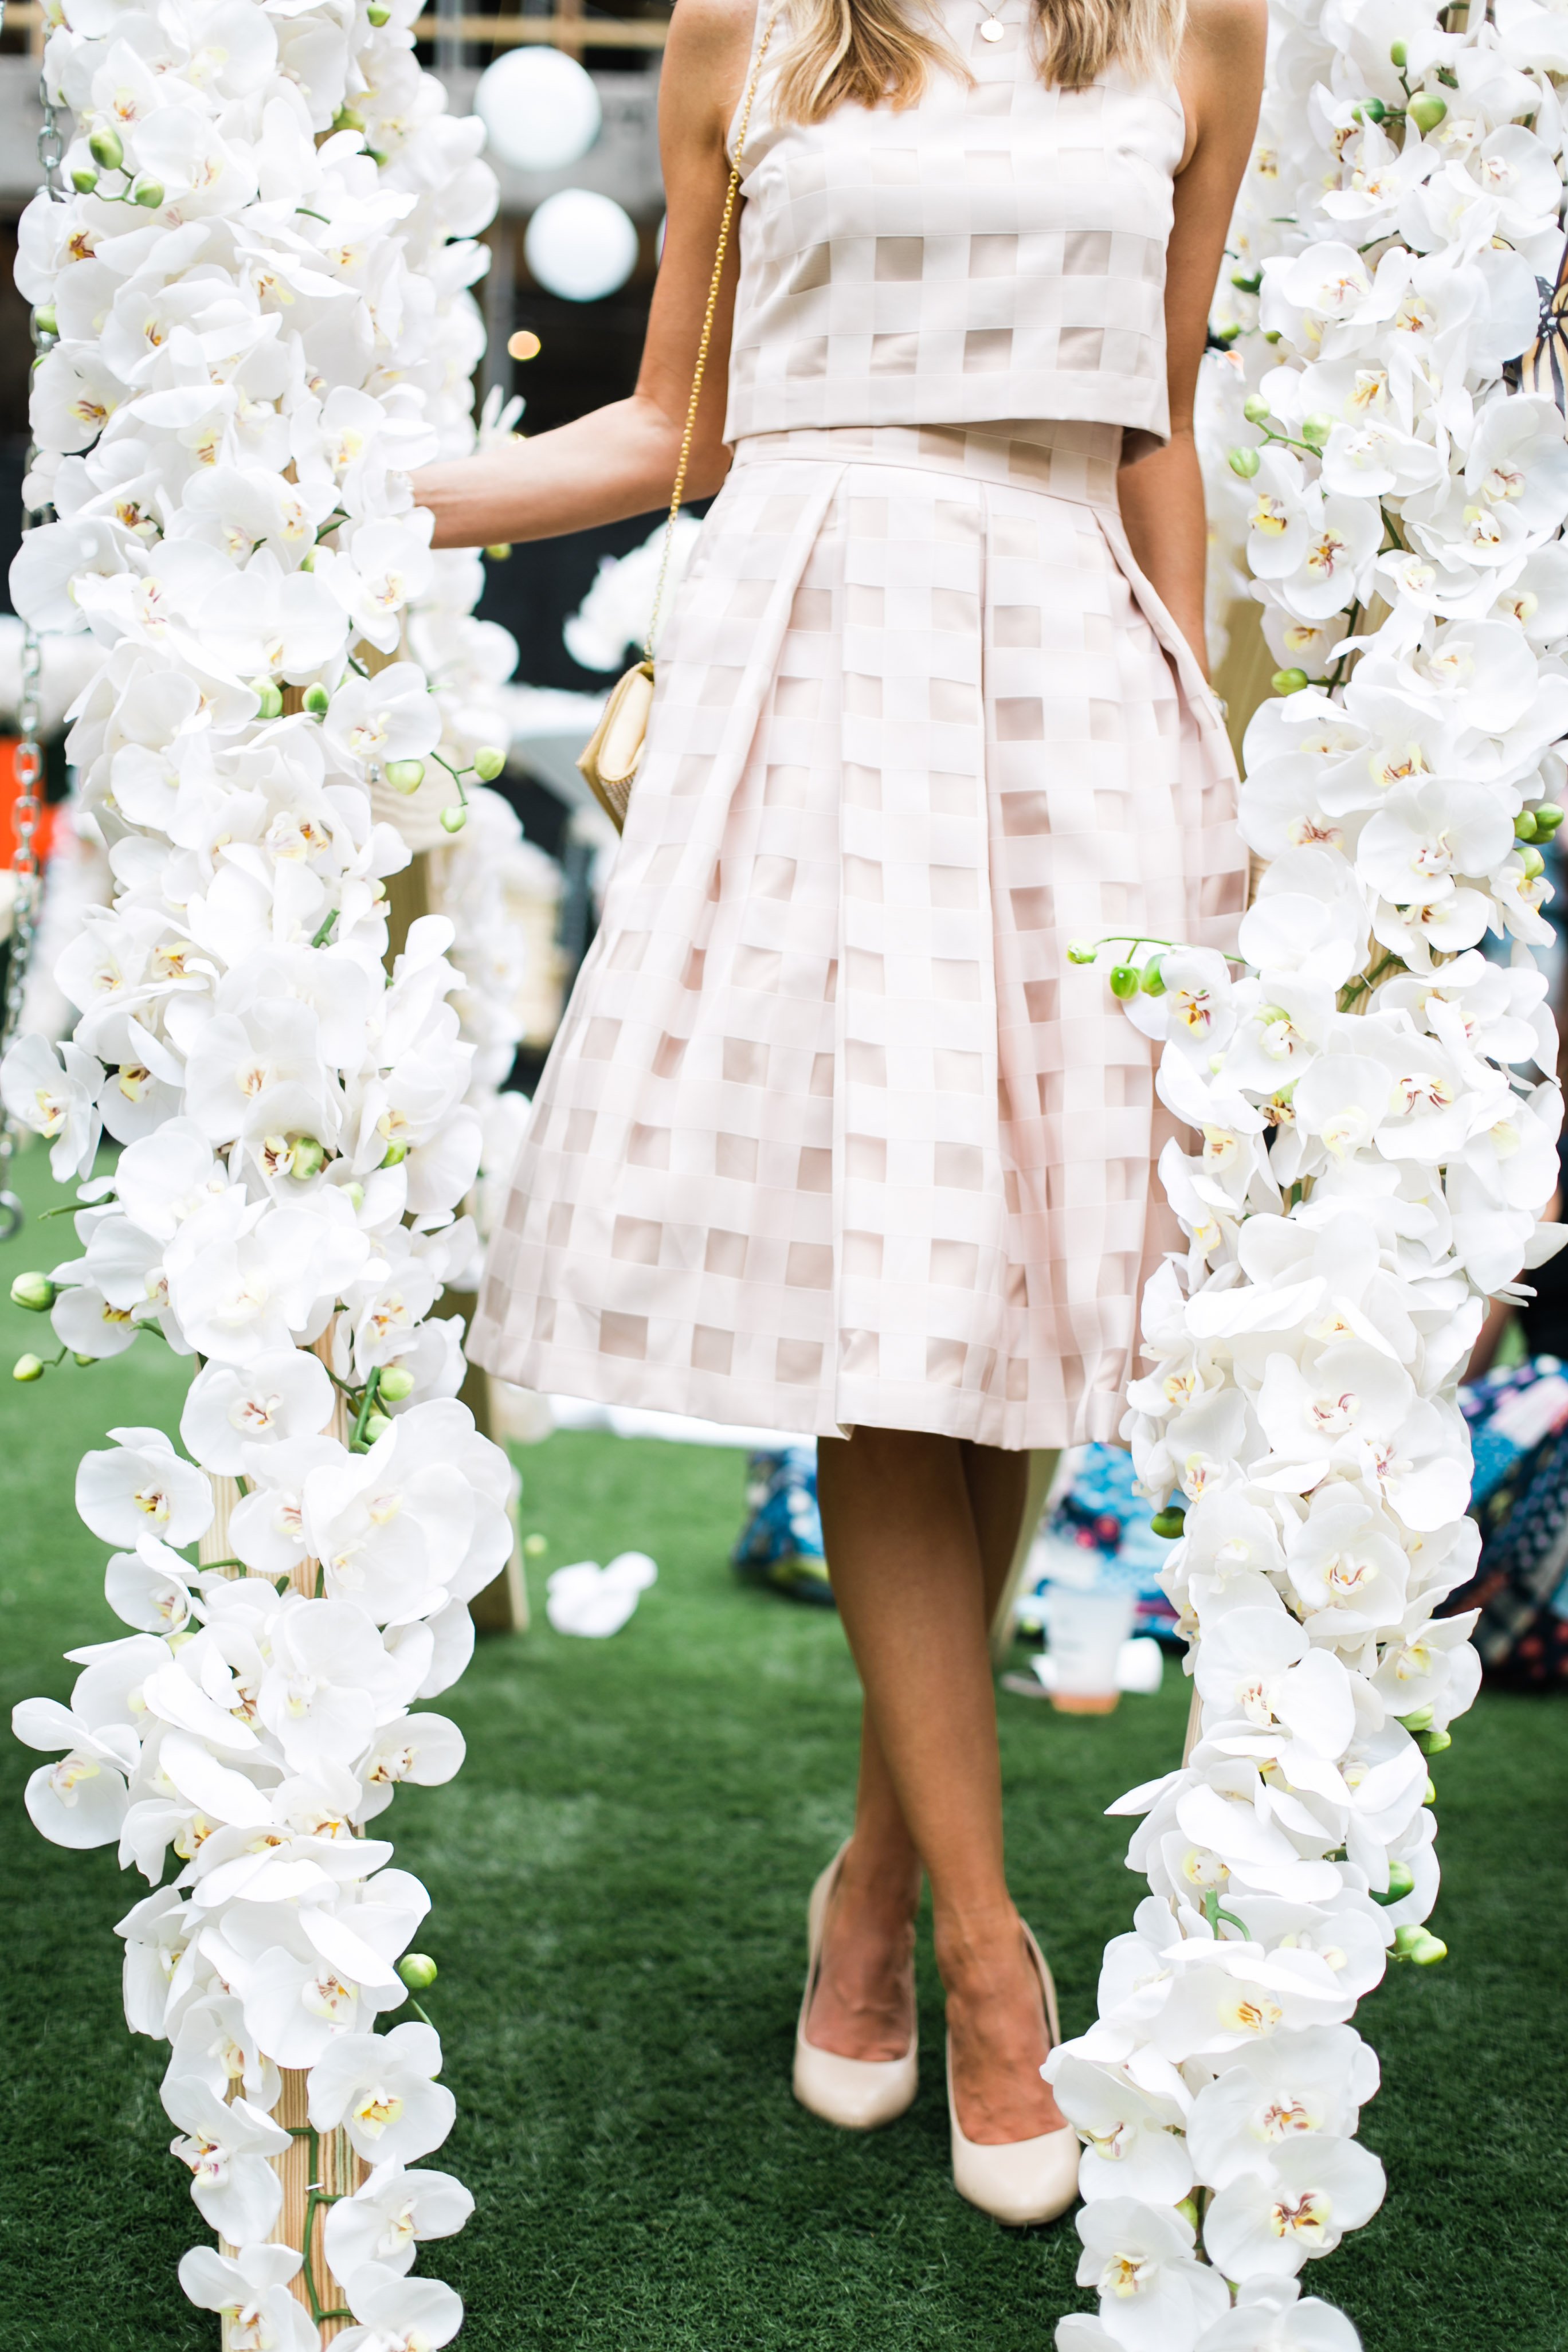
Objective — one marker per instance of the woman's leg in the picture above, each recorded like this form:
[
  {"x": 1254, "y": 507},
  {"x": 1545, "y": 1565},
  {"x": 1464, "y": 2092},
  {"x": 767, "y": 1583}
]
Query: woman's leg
[{"x": 918, "y": 1531}]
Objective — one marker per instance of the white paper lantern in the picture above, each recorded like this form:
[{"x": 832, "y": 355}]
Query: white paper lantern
[
  {"x": 581, "y": 246},
  {"x": 539, "y": 109}
]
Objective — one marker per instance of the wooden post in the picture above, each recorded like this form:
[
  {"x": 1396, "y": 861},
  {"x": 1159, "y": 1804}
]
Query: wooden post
[{"x": 325, "y": 2161}]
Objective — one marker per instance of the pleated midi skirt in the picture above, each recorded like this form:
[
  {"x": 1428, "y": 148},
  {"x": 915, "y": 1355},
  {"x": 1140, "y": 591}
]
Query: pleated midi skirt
[{"x": 832, "y": 1133}]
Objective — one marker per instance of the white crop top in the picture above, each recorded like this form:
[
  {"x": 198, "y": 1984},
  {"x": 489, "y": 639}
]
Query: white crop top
[{"x": 996, "y": 250}]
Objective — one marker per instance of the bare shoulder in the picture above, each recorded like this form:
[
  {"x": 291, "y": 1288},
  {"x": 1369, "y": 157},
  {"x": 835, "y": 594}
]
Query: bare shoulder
[
  {"x": 1229, "y": 35},
  {"x": 711, "y": 36}
]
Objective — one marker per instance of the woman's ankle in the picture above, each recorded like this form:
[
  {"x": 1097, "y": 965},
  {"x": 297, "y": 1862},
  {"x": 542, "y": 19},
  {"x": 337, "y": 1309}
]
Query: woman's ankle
[
  {"x": 882, "y": 1874},
  {"x": 976, "y": 1946}
]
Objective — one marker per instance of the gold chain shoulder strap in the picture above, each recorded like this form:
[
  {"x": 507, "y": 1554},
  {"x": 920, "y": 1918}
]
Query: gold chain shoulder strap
[{"x": 731, "y": 192}]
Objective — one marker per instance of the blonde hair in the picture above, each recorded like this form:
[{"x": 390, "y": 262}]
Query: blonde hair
[{"x": 871, "y": 52}]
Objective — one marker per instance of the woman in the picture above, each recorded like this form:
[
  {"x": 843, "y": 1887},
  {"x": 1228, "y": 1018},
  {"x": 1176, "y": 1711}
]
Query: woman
[{"x": 833, "y": 1139}]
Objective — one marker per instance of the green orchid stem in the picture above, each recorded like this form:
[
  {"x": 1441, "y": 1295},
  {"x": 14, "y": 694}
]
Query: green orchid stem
[
  {"x": 315, "y": 2195},
  {"x": 1214, "y": 1915},
  {"x": 1143, "y": 939},
  {"x": 422, "y": 2015},
  {"x": 303, "y": 212},
  {"x": 221, "y": 1563},
  {"x": 1367, "y": 980},
  {"x": 324, "y": 928},
  {"x": 356, "y": 1443}
]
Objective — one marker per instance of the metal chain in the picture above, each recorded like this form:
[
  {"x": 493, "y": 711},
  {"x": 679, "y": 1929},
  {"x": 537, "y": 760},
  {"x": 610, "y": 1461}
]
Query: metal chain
[{"x": 29, "y": 753}]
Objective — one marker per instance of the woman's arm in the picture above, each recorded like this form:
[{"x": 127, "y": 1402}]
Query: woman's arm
[
  {"x": 621, "y": 460},
  {"x": 1221, "y": 83}
]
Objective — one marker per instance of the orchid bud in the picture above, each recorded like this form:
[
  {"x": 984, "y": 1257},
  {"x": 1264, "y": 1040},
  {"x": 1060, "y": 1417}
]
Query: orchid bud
[
  {"x": 149, "y": 193},
  {"x": 35, "y": 1292},
  {"x": 317, "y": 700},
  {"x": 535, "y": 1546},
  {"x": 1255, "y": 409},
  {"x": 405, "y": 775},
  {"x": 1153, "y": 981},
  {"x": 1547, "y": 821},
  {"x": 1524, "y": 826},
  {"x": 84, "y": 181},
  {"x": 1401, "y": 1879},
  {"x": 1227, "y": 333},
  {"x": 1429, "y": 1793},
  {"x": 1081, "y": 952},
  {"x": 1123, "y": 979},
  {"x": 47, "y": 320},
  {"x": 394, "y": 1155},
  {"x": 78, "y": 1358},
  {"x": 1372, "y": 109},
  {"x": 1288, "y": 681},
  {"x": 1431, "y": 1949},
  {"x": 500, "y": 552},
  {"x": 418, "y": 1971},
  {"x": 307, "y": 1158},
  {"x": 1418, "y": 1944},
  {"x": 378, "y": 15},
  {"x": 455, "y": 818},
  {"x": 1188, "y": 2209},
  {"x": 1397, "y": 53},
  {"x": 268, "y": 696},
  {"x": 1245, "y": 462},
  {"x": 377, "y": 1425},
  {"x": 1170, "y": 1520},
  {"x": 1247, "y": 281},
  {"x": 378, "y": 157},
  {"x": 27, "y": 1368},
  {"x": 1316, "y": 429},
  {"x": 1533, "y": 862},
  {"x": 395, "y": 1383},
  {"x": 355, "y": 1195},
  {"x": 105, "y": 149},
  {"x": 1428, "y": 111},
  {"x": 1273, "y": 335},
  {"x": 489, "y": 763},
  {"x": 345, "y": 119},
  {"x": 1433, "y": 1743},
  {"x": 1419, "y": 1719}
]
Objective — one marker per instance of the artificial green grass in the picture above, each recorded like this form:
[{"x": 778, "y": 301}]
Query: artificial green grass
[{"x": 620, "y": 1877}]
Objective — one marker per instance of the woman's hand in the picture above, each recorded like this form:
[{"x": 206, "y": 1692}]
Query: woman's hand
[
  {"x": 1221, "y": 81},
  {"x": 621, "y": 460}
]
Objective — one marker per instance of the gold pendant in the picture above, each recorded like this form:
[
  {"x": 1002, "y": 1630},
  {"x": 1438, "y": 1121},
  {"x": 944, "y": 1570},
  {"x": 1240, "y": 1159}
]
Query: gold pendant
[{"x": 991, "y": 30}]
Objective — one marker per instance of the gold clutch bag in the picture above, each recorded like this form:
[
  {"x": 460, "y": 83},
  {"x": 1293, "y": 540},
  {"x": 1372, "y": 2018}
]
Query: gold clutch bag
[{"x": 609, "y": 760}]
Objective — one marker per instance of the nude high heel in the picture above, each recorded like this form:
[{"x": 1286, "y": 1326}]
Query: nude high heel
[
  {"x": 1022, "y": 2180},
  {"x": 855, "y": 2094}
]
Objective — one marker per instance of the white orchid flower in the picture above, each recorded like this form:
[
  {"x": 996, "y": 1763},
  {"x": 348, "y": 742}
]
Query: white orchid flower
[
  {"x": 80, "y": 1800},
  {"x": 267, "y": 1526},
  {"x": 381, "y": 2088},
  {"x": 1268, "y": 2317},
  {"x": 330, "y": 1683},
  {"x": 250, "y": 2290},
  {"x": 392, "y": 716},
  {"x": 247, "y": 1279},
  {"x": 214, "y": 2045},
  {"x": 226, "y": 2147},
  {"x": 1154, "y": 2294},
  {"x": 400, "y": 2314},
  {"x": 150, "y": 1588},
  {"x": 1317, "y": 2187},
  {"x": 424, "y": 1748},
  {"x": 51, "y": 1090},
  {"x": 389, "y": 2216},
  {"x": 143, "y": 1487},
  {"x": 229, "y": 1408},
  {"x": 1315, "y": 2079},
  {"x": 1134, "y": 2144}
]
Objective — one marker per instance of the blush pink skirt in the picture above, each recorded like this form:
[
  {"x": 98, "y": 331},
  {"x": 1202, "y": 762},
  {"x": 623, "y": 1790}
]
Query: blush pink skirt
[{"x": 832, "y": 1132}]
